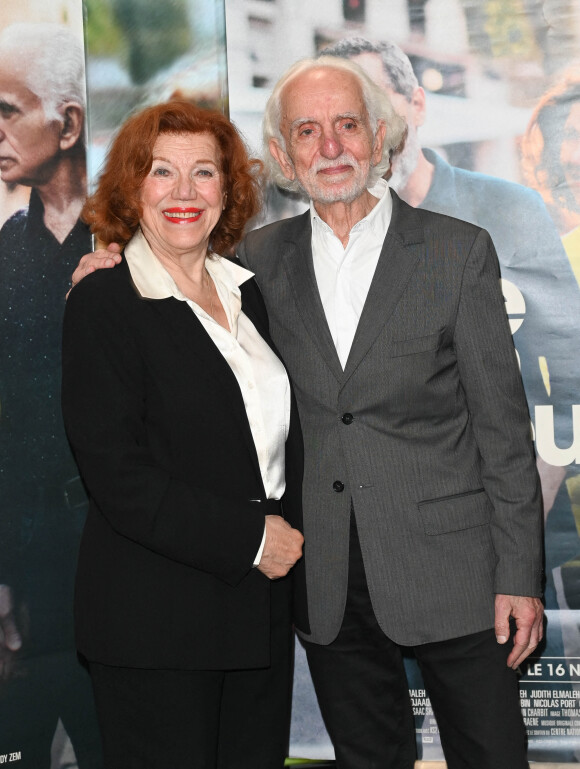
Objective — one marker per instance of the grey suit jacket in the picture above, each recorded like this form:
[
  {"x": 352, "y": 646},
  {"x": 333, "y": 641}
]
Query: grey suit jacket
[{"x": 426, "y": 429}]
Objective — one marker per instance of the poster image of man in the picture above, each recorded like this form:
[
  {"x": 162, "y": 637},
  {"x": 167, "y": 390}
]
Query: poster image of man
[{"x": 42, "y": 147}]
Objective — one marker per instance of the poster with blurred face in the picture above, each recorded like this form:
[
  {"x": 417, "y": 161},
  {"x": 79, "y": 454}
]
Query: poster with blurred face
[{"x": 54, "y": 129}]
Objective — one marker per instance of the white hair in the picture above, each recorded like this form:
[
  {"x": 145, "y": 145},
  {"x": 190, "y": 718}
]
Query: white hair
[
  {"x": 377, "y": 103},
  {"x": 54, "y": 62}
]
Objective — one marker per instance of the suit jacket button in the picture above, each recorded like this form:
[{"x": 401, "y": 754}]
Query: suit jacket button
[
  {"x": 338, "y": 486},
  {"x": 348, "y": 419}
]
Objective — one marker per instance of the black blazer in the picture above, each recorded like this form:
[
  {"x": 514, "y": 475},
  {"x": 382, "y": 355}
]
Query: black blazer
[{"x": 159, "y": 429}]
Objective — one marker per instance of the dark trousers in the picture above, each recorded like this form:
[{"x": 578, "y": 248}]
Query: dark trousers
[
  {"x": 363, "y": 695},
  {"x": 198, "y": 719}
]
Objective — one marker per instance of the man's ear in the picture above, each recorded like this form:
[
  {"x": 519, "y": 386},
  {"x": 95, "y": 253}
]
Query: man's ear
[
  {"x": 280, "y": 156},
  {"x": 378, "y": 142},
  {"x": 72, "y": 125},
  {"x": 418, "y": 106}
]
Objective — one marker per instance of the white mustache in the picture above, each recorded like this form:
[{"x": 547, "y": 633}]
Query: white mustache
[{"x": 345, "y": 159}]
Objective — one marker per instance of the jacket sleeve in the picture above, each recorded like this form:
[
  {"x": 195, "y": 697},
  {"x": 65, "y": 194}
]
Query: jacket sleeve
[
  {"x": 499, "y": 415},
  {"x": 106, "y": 417}
]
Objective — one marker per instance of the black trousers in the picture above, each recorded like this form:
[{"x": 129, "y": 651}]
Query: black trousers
[
  {"x": 363, "y": 694},
  {"x": 199, "y": 719}
]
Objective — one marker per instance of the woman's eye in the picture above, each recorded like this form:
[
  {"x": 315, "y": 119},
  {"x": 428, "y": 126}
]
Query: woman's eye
[{"x": 160, "y": 172}]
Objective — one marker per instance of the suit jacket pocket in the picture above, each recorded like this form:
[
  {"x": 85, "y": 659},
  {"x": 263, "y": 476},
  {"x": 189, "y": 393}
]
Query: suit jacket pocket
[
  {"x": 456, "y": 512},
  {"x": 400, "y": 347}
]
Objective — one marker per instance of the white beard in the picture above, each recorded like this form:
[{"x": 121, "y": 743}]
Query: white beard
[{"x": 344, "y": 192}]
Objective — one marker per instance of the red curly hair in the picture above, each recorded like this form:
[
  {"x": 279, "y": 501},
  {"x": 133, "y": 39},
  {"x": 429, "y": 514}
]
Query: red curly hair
[{"x": 113, "y": 212}]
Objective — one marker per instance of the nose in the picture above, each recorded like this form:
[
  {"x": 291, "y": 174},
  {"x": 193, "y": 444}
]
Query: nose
[
  {"x": 331, "y": 145},
  {"x": 185, "y": 188}
]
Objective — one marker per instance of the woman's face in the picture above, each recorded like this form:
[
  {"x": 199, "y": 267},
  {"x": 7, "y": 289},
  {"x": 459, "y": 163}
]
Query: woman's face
[{"x": 182, "y": 195}]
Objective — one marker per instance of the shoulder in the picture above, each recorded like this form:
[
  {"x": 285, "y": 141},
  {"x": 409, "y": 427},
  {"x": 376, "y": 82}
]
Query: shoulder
[
  {"x": 102, "y": 290},
  {"x": 14, "y": 226},
  {"x": 496, "y": 192},
  {"x": 412, "y": 222},
  {"x": 276, "y": 231}
]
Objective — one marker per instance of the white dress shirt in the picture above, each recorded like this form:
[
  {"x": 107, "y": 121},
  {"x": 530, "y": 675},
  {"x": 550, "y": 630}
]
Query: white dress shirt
[
  {"x": 344, "y": 275},
  {"x": 260, "y": 374}
]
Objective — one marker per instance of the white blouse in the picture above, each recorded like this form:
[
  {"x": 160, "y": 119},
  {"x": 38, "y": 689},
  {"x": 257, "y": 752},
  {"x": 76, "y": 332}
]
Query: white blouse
[{"x": 262, "y": 378}]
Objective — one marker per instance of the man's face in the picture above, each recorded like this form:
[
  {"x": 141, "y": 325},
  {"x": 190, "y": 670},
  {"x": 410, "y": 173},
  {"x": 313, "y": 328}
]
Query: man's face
[
  {"x": 330, "y": 147},
  {"x": 405, "y": 161},
  {"x": 570, "y": 151},
  {"x": 29, "y": 142}
]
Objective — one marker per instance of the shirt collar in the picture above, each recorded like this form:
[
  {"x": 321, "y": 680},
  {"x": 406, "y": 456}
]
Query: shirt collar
[
  {"x": 154, "y": 282},
  {"x": 378, "y": 219}
]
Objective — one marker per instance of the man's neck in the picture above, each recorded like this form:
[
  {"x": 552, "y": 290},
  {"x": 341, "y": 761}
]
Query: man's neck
[
  {"x": 341, "y": 217},
  {"x": 419, "y": 183},
  {"x": 63, "y": 197}
]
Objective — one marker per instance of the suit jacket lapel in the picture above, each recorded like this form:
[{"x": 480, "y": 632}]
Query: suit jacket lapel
[
  {"x": 297, "y": 260},
  {"x": 199, "y": 352},
  {"x": 395, "y": 266}
]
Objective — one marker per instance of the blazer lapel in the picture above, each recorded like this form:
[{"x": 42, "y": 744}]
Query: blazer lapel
[
  {"x": 396, "y": 264},
  {"x": 199, "y": 352},
  {"x": 299, "y": 266}
]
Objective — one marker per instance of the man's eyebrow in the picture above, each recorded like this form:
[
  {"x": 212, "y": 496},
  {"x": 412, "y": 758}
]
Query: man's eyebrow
[{"x": 301, "y": 121}]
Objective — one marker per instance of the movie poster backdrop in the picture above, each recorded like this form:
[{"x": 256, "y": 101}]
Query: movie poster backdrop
[
  {"x": 137, "y": 52},
  {"x": 498, "y": 136},
  {"x": 501, "y": 134}
]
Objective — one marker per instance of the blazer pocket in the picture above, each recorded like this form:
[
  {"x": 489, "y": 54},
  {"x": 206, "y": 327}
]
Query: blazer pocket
[
  {"x": 456, "y": 512},
  {"x": 401, "y": 347}
]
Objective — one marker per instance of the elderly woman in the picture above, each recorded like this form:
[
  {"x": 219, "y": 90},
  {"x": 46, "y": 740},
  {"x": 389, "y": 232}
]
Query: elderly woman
[{"x": 180, "y": 416}]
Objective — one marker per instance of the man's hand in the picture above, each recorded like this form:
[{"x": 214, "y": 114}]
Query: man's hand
[
  {"x": 283, "y": 547},
  {"x": 96, "y": 260},
  {"x": 10, "y": 639},
  {"x": 528, "y": 614}
]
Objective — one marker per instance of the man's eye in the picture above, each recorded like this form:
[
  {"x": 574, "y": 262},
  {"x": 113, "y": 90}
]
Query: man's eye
[
  {"x": 349, "y": 126},
  {"x": 7, "y": 110},
  {"x": 306, "y": 132}
]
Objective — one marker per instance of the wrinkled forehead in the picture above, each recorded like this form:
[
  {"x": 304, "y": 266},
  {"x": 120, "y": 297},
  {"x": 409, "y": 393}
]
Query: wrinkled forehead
[
  {"x": 319, "y": 93},
  {"x": 15, "y": 81}
]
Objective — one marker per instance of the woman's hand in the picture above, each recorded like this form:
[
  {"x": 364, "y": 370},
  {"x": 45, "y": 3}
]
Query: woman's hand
[{"x": 283, "y": 547}]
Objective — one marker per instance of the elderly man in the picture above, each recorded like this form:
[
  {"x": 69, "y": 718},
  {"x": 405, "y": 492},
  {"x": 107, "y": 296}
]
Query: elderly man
[
  {"x": 421, "y": 500},
  {"x": 43, "y": 501},
  {"x": 528, "y": 247}
]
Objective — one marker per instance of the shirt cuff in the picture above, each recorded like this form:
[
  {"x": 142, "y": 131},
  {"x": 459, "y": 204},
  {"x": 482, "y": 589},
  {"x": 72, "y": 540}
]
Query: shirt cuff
[{"x": 258, "y": 557}]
